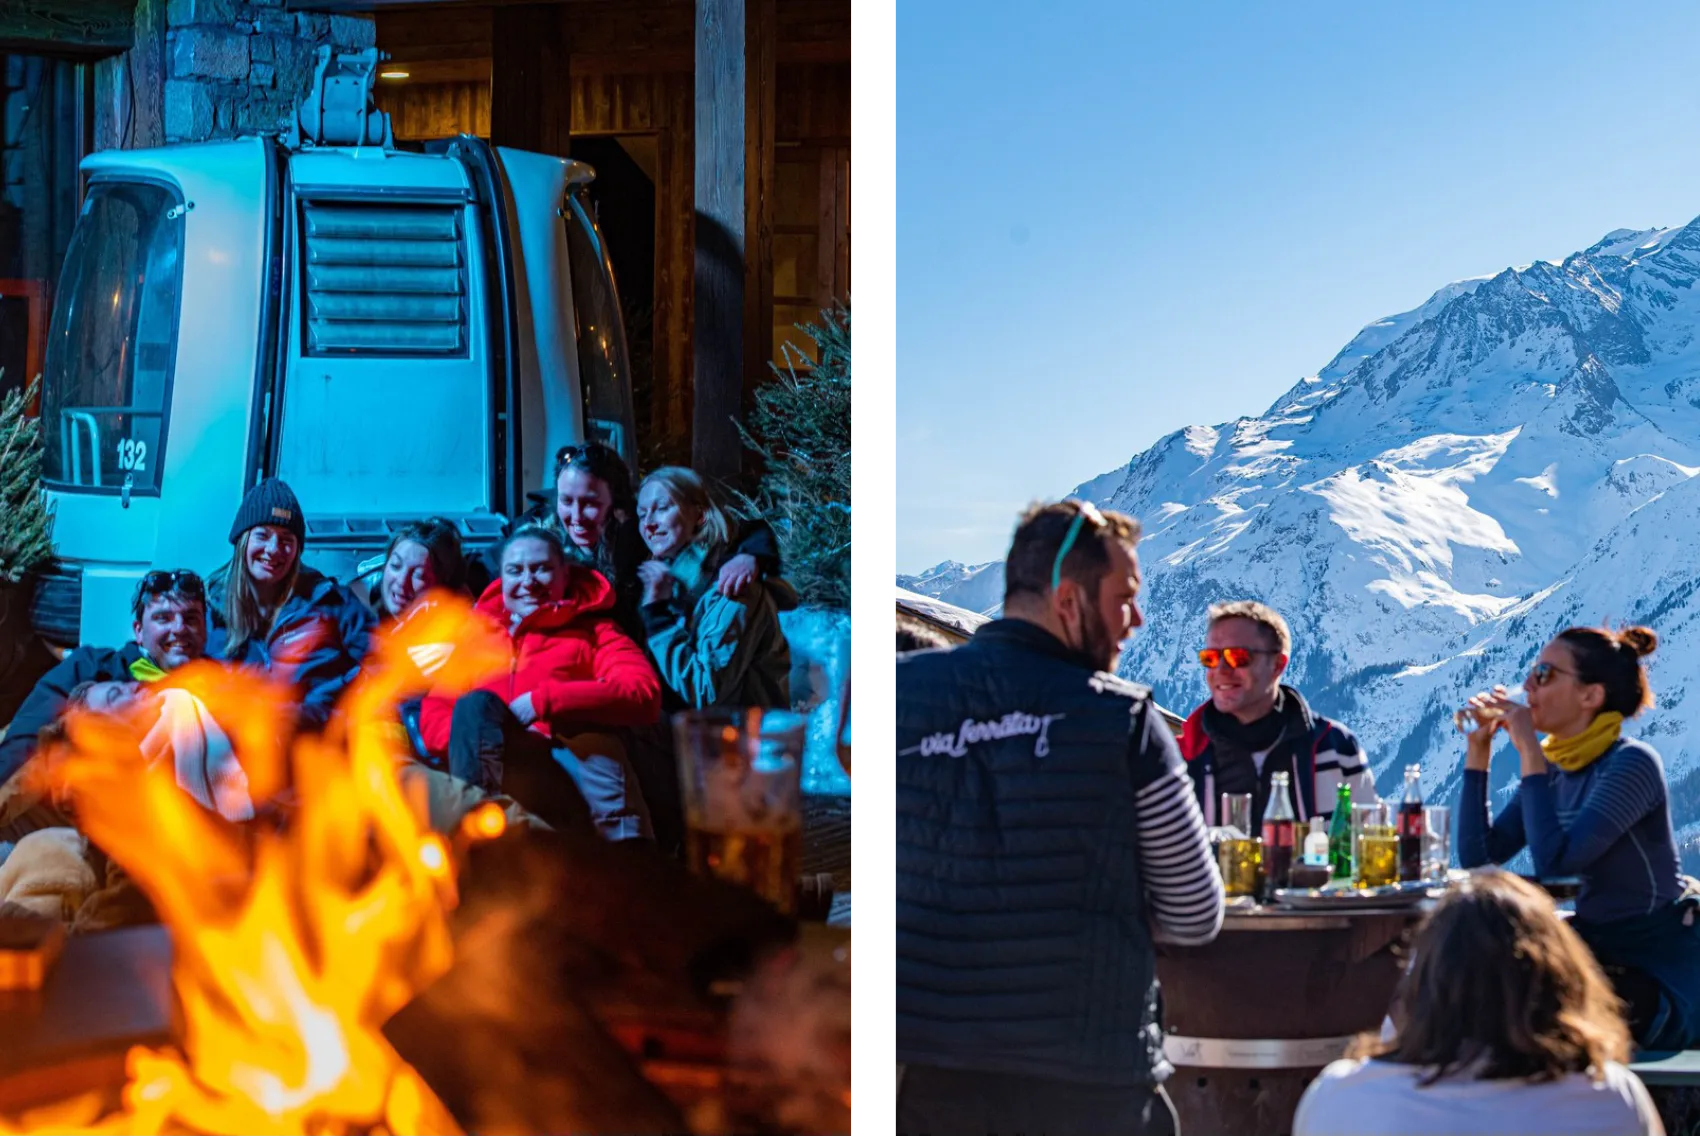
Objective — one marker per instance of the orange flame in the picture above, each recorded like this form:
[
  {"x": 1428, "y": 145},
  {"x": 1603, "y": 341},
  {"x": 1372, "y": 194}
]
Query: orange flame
[{"x": 294, "y": 942}]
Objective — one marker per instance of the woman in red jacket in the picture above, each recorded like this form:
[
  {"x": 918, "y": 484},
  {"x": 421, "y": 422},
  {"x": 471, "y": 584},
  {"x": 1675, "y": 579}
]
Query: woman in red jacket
[{"x": 544, "y": 725}]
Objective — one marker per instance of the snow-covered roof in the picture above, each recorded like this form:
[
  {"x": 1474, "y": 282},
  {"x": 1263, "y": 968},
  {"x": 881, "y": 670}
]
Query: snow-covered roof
[{"x": 937, "y": 610}]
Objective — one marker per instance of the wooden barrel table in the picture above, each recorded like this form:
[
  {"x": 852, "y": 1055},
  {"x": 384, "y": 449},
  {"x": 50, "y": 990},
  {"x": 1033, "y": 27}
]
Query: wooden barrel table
[
  {"x": 1251, "y": 1018},
  {"x": 107, "y": 992}
]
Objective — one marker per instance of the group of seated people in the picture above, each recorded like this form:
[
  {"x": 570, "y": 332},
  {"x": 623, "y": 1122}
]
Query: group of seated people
[
  {"x": 1590, "y": 802},
  {"x": 620, "y": 608},
  {"x": 1509, "y": 1017}
]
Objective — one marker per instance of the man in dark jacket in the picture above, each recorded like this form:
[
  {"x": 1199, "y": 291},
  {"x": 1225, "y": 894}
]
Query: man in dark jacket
[
  {"x": 1046, "y": 836},
  {"x": 170, "y": 626},
  {"x": 1253, "y": 724}
]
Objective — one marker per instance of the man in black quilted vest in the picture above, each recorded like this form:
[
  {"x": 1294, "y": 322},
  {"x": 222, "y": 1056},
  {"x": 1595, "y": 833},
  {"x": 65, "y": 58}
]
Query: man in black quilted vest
[{"x": 1046, "y": 836}]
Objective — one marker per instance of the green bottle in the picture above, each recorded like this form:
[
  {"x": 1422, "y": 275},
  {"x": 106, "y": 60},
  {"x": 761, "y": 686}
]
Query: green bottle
[{"x": 1340, "y": 833}]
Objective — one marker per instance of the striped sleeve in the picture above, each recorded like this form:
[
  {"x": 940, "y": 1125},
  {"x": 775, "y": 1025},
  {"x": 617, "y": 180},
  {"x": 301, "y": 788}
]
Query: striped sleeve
[
  {"x": 1182, "y": 884},
  {"x": 1339, "y": 759},
  {"x": 1630, "y": 786}
]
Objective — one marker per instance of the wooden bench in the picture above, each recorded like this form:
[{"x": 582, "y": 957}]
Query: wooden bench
[
  {"x": 1667, "y": 1067},
  {"x": 1672, "y": 1078}
]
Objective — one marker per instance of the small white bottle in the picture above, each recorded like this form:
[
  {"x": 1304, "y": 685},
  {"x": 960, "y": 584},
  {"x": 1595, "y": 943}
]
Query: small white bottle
[{"x": 1316, "y": 844}]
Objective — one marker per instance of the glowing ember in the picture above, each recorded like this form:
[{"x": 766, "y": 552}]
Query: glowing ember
[{"x": 294, "y": 941}]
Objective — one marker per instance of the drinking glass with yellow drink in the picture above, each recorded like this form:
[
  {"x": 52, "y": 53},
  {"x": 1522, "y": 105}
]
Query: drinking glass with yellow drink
[
  {"x": 741, "y": 776},
  {"x": 1240, "y": 855},
  {"x": 1375, "y": 857}
]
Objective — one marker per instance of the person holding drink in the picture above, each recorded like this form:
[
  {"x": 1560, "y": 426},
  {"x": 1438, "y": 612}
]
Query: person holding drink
[{"x": 1593, "y": 803}]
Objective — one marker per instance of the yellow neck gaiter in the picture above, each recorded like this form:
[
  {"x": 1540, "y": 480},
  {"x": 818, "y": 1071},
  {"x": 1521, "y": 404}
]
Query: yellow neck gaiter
[
  {"x": 145, "y": 670},
  {"x": 1574, "y": 753}
]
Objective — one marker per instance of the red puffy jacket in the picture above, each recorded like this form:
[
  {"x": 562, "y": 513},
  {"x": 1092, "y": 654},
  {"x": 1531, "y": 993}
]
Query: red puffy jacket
[{"x": 580, "y": 668}]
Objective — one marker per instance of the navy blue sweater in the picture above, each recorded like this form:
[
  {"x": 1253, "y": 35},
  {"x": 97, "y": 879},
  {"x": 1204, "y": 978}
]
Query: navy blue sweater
[{"x": 1608, "y": 823}]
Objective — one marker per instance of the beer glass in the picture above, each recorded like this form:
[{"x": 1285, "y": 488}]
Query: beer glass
[
  {"x": 844, "y": 727},
  {"x": 1240, "y": 855},
  {"x": 1375, "y": 846},
  {"x": 741, "y": 776},
  {"x": 1437, "y": 837}
]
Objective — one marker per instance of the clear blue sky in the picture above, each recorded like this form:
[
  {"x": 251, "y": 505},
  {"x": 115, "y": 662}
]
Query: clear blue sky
[{"x": 1117, "y": 219}]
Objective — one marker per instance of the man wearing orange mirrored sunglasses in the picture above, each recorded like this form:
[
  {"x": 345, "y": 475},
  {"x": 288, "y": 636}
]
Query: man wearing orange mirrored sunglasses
[{"x": 1253, "y": 724}]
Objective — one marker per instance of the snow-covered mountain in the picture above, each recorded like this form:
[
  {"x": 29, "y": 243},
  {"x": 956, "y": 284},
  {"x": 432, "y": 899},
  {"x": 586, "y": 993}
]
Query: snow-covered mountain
[
  {"x": 1460, "y": 482},
  {"x": 978, "y": 588}
]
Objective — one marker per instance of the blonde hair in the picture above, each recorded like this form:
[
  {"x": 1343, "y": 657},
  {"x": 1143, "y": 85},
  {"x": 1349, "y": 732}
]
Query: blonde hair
[
  {"x": 688, "y": 489},
  {"x": 1261, "y": 614},
  {"x": 245, "y": 617}
]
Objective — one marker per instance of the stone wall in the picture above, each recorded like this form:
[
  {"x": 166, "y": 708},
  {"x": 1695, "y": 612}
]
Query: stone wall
[
  {"x": 205, "y": 69},
  {"x": 236, "y": 67}
]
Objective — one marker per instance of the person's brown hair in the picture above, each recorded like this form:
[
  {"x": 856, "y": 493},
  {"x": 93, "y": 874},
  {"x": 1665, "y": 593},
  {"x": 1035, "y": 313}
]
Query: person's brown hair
[
  {"x": 1500, "y": 987},
  {"x": 441, "y": 542},
  {"x": 1274, "y": 625},
  {"x": 1613, "y": 660},
  {"x": 1040, "y": 534}
]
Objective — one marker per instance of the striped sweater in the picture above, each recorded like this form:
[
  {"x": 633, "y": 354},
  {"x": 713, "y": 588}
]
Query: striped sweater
[{"x": 1608, "y": 823}]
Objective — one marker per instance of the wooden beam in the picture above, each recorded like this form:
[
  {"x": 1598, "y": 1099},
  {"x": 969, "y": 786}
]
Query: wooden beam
[
  {"x": 530, "y": 87},
  {"x": 734, "y": 175},
  {"x": 85, "y": 28},
  {"x": 761, "y": 84},
  {"x": 129, "y": 88},
  {"x": 451, "y": 64}
]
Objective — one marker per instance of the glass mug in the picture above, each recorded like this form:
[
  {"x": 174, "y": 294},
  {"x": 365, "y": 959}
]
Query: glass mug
[
  {"x": 741, "y": 776},
  {"x": 1240, "y": 855}
]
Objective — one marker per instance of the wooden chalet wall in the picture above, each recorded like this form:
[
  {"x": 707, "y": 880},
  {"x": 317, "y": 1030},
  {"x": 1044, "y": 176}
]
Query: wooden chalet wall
[{"x": 631, "y": 72}]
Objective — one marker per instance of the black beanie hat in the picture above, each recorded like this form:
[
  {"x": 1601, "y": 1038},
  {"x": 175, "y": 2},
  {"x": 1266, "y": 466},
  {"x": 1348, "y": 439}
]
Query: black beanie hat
[{"x": 269, "y": 503}]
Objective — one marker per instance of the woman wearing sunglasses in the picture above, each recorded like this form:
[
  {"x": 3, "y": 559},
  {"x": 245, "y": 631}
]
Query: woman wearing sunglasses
[{"x": 1593, "y": 804}]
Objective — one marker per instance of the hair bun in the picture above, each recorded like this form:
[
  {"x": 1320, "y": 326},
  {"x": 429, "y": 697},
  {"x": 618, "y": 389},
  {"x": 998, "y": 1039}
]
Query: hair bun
[{"x": 1642, "y": 641}]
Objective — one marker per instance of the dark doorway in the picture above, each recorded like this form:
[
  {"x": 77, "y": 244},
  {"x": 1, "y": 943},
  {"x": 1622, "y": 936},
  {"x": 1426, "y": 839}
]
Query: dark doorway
[{"x": 624, "y": 195}]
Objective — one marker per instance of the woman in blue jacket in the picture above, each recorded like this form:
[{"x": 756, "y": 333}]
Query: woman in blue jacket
[
  {"x": 273, "y": 612},
  {"x": 1593, "y": 804}
]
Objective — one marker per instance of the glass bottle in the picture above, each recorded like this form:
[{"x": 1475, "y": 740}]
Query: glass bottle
[
  {"x": 1279, "y": 823},
  {"x": 1411, "y": 826},
  {"x": 1316, "y": 845},
  {"x": 1340, "y": 833}
]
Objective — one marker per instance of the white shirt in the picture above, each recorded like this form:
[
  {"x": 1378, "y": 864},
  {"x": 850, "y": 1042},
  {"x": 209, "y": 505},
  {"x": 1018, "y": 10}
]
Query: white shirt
[
  {"x": 1365, "y": 1097},
  {"x": 190, "y": 738}
]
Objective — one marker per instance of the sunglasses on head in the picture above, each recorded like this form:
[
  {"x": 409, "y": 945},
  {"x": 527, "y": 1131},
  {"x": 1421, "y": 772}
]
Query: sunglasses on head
[
  {"x": 1542, "y": 673},
  {"x": 1214, "y": 657},
  {"x": 176, "y": 580}
]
